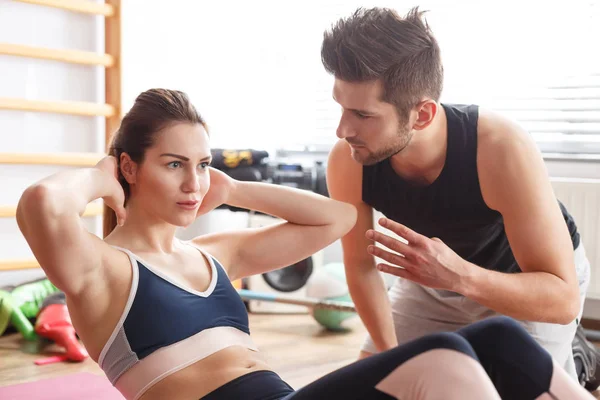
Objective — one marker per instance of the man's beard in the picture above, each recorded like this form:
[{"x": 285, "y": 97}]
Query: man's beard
[{"x": 400, "y": 142}]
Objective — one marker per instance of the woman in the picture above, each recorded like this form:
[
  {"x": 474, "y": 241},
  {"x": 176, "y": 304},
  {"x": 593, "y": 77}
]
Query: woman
[{"x": 160, "y": 315}]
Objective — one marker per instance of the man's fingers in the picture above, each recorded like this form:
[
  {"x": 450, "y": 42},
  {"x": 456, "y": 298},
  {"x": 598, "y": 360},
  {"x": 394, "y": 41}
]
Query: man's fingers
[
  {"x": 389, "y": 256},
  {"x": 402, "y": 231},
  {"x": 401, "y": 272},
  {"x": 388, "y": 241}
]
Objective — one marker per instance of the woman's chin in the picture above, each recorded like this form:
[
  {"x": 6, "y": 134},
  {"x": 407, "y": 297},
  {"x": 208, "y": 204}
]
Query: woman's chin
[{"x": 183, "y": 221}]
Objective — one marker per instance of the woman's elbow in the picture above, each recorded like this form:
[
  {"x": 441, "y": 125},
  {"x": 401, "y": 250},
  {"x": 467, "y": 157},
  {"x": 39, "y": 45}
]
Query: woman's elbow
[
  {"x": 346, "y": 218},
  {"x": 35, "y": 199}
]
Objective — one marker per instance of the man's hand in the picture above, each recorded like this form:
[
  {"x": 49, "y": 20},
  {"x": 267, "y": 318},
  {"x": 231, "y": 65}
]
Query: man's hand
[{"x": 429, "y": 262}]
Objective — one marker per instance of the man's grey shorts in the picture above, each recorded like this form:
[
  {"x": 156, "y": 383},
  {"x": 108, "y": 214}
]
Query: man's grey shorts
[{"x": 418, "y": 311}]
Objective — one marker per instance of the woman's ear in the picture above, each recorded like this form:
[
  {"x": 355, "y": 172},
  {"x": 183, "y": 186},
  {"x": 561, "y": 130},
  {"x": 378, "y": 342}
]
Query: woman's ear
[{"x": 128, "y": 168}]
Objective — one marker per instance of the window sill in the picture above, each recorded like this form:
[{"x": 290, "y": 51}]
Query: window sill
[{"x": 579, "y": 157}]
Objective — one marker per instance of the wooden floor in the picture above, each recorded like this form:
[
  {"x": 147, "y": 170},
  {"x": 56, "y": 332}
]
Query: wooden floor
[
  {"x": 297, "y": 348},
  {"x": 294, "y": 345}
]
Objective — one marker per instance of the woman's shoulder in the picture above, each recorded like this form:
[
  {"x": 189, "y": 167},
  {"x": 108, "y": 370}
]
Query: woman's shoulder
[
  {"x": 116, "y": 257},
  {"x": 220, "y": 246}
]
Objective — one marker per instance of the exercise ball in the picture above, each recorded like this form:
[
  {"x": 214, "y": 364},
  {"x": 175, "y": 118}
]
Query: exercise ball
[{"x": 329, "y": 283}]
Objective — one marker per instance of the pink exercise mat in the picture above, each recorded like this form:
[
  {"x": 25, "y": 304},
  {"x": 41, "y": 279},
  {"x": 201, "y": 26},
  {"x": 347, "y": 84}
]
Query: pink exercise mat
[{"x": 69, "y": 387}]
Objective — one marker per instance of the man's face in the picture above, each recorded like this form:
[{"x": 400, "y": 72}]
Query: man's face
[{"x": 371, "y": 126}]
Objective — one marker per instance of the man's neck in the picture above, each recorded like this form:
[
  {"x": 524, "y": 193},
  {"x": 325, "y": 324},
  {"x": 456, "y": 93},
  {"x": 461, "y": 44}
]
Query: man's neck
[{"x": 423, "y": 159}]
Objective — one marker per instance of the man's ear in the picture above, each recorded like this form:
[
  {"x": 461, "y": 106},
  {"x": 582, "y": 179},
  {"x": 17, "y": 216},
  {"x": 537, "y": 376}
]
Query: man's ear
[
  {"x": 128, "y": 168},
  {"x": 426, "y": 112}
]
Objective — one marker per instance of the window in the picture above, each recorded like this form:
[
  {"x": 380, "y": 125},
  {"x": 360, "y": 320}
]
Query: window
[
  {"x": 563, "y": 118},
  {"x": 533, "y": 61},
  {"x": 257, "y": 78}
]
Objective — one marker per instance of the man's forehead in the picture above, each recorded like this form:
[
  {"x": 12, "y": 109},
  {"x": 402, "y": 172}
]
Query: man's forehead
[{"x": 358, "y": 94}]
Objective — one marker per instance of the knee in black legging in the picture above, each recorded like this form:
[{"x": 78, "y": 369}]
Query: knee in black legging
[
  {"x": 498, "y": 334},
  {"x": 442, "y": 340},
  {"x": 502, "y": 344}
]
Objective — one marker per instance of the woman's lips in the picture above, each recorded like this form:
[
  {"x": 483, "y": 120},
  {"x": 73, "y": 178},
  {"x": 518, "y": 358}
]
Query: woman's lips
[{"x": 188, "y": 205}]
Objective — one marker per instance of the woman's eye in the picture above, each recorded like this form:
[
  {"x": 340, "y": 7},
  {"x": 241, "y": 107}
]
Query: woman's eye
[
  {"x": 175, "y": 164},
  {"x": 204, "y": 165}
]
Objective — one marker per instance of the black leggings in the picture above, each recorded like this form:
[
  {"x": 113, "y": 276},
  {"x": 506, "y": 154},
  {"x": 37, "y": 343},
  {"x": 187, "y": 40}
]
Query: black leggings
[{"x": 516, "y": 364}]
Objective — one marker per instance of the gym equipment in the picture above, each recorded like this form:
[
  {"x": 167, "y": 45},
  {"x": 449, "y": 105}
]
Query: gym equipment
[
  {"x": 302, "y": 167},
  {"x": 54, "y": 323},
  {"x": 307, "y": 175},
  {"x": 10, "y": 311},
  {"x": 51, "y": 360},
  {"x": 329, "y": 284},
  {"x": 5, "y": 311},
  {"x": 246, "y": 294},
  {"x": 587, "y": 358},
  {"x": 21, "y": 304},
  {"x": 30, "y": 296},
  {"x": 228, "y": 159},
  {"x": 302, "y": 172}
]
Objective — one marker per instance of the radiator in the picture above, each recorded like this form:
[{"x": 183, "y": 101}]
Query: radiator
[{"x": 581, "y": 197}]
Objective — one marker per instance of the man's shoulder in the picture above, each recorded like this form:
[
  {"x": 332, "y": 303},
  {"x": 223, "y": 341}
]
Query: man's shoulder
[
  {"x": 341, "y": 166},
  {"x": 459, "y": 106},
  {"x": 340, "y": 158},
  {"x": 505, "y": 150},
  {"x": 498, "y": 134},
  {"x": 467, "y": 108},
  {"x": 344, "y": 174}
]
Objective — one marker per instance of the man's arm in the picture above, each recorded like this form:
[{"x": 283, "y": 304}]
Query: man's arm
[
  {"x": 514, "y": 181},
  {"x": 366, "y": 286}
]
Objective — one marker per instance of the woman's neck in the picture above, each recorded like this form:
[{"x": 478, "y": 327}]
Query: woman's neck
[{"x": 142, "y": 232}]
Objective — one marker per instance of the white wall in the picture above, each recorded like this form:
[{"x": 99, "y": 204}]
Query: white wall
[
  {"x": 580, "y": 169},
  {"x": 26, "y": 132},
  {"x": 252, "y": 69},
  {"x": 232, "y": 58}
]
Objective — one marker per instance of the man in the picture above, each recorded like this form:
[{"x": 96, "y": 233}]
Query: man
[{"x": 467, "y": 189}]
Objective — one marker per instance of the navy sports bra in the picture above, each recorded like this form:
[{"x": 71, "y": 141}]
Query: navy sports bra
[{"x": 166, "y": 327}]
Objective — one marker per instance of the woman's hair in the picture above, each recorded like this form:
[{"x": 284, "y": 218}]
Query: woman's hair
[
  {"x": 153, "y": 111},
  {"x": 378, "y": 44}
]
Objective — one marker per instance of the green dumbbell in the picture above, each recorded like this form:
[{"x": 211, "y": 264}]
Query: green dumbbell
[
  {"x": 8, "y": 309},
  {"x": 30, "y": 296},
  {"x": 5, "y": 311}
]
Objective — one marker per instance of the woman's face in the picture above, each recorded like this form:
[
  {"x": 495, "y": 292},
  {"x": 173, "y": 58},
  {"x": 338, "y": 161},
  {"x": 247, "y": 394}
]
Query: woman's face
[{"x": 173, "y": 178}]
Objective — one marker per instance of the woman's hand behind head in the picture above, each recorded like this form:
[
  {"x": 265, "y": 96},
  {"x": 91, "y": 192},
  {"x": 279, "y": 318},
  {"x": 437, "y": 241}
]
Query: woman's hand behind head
[
  {"x": 218, "y": 193},
  {"x": 116, "y": 200},
  {"x": 110, "y": 165}
]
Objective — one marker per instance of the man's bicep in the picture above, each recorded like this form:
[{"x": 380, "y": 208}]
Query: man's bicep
[
  {"x": 514, "y": 182},
  {"x": 355, "y": 242},
  {"x": 344, "y": 175},
  {"x": 344, "y": 183},
  {"x": 536, "y": 230}
]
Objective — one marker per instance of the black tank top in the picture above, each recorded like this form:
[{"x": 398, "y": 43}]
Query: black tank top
[{"x": 452, "y": 207}]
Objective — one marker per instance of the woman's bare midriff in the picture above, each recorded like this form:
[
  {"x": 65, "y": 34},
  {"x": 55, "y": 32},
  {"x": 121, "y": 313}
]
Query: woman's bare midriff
[{"x": 206, "y": 375}]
